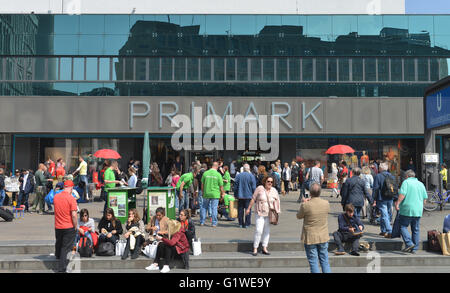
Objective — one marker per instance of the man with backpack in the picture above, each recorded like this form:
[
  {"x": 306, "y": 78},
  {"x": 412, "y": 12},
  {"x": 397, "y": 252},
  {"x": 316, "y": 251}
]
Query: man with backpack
[
  {"x": 385, "y": 190},
  {"x": 2, "y": 187}
]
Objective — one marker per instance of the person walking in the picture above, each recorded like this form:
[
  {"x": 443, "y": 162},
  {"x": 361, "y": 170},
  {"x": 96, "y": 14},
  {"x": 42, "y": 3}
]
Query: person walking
[
  {"x": 266, "y": 198},
  {"x": 244, "y": 187},
  {"x": 409, "y": 205},
  {"x": 382, "y": 201},
  {"x": 301, "y": 181},
  {"x": 286, "y": 177},
  {"x": 367, "y": 177},
  {"x": 443, "y": 173},
  {"x": 2, "y": 186},
  {"x": 294, "y": 175},
  {"x": 82, "y": 169},
  {"x": 315, "y": 174},
  {"x": 355, "y": 192},
  {"x": 66, "y": 220},
  {"x": 226, "y": 180},
  {"x": 26, "y": 187},
  {"x": 212, "y": 189},
  {"x": 314, "y": 212}
]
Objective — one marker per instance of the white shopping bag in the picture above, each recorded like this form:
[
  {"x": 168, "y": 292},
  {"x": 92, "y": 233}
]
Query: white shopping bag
[
  {"x": 197, "y": 247},
  {"x": 150, "y": 250},
  {"x": 120, "y": 247}
]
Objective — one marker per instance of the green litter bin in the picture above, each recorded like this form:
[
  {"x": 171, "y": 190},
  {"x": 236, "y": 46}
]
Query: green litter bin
[
  {"x": 161, "y": 197},
  {"x": 121, "y": 200}
]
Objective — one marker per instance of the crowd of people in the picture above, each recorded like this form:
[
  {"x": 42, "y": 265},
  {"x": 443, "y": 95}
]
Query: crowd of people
[{"x": 221, "y": 190}]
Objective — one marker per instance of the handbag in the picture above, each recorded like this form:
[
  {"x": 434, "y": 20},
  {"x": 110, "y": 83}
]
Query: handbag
[
  {"x": 197, "y": 247},
  {"x": 150, "y": 250},
  {"x": 273, "y": 215},
  {"x": 444, "y": 241},
  {"x": 105, "y": 249},
  {"x": 120, "y": 247},
  {"x": 396, "y": 227}
]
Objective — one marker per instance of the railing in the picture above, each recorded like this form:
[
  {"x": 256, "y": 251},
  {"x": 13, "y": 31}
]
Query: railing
[{"x": 120, "y": 69}]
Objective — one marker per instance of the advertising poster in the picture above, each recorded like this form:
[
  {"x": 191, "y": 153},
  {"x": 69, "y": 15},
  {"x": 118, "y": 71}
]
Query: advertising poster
[
  {"x": 118, "y": 202},
  {"x": 156, "y": 200}
]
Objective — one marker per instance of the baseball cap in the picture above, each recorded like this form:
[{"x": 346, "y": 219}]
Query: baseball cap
[{"x": 68, "y": 183}]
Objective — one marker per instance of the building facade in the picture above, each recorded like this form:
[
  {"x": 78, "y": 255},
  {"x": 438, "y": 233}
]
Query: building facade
[{"x": 72, "y": 84}]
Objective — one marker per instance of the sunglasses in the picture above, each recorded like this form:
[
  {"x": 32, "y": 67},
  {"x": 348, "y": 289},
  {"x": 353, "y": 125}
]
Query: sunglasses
[{"x": 269, "y": 181}]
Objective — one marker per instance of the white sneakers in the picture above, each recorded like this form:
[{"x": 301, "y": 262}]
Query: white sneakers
[
  {"x": 152, "y": 267},
  {"x": 165, "y": 269},
  {"x": 155, "y": 267}
]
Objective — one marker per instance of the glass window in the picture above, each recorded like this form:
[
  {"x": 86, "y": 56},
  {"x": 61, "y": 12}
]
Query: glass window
[
  {"x": 78, "y": 68},
  {"x": 395, "y": 21},
  {"x": 166, "y": 66},
  {"x": 104, "y": 68},
  {"x": 410, "y": 72},
  {"x": 344, "y": 69},
  {"x": 281, "y": 69},
  {"x": 117, "y": 24},
  {"x": 114, "y": 44},
  {"x": 383, "y": 69},
  {"x": 242, "y": 69},
  {"x": 319, "y": 26},
  {"x": 269, "y": 70},
  {"x": 154, "y": 68},
  {"x": 243, "y": 25},
  {"x": 396, "y": 69},
  {"x": 65, "y": 72},
  {"x": 307, "y": 69},
  {"x": 442, "y": 24},
  {"x": 442, "y": 41},
  {"x": 422, "y": 66},
  {"x": 231, "y": 69},
  {"x": 91, "y": 45},
  {"x": 294, "y": 69},
  {"x": 218, "y": 24},
  {"x": 332, "y": 69},
  {"x": 205, "y": 67},
  {"x": 92, "y": 24},
  {"x": 370, "y": 69},
  {"x": 321, "y": 69},
  {"x": 219, "y": 68},
  {"x": 369, "y": 25},
  {"x": 91, "y": 69},
  {"x": 344, "y": 25},
  {"x": 255, "y": 69},
  {"x": 357, "y": 69},
  {"x": 66, "y": 24},
  {"x": 193, "y": 68},
  {"x": 65, "y": 44},
  {"x": 180, "y": 69}
]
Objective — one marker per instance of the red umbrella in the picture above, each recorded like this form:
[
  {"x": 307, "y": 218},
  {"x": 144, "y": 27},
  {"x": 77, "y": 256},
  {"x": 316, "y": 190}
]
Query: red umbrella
[
  {"x": 107, "y": 154},
  {"x": 339, "y": 149}
]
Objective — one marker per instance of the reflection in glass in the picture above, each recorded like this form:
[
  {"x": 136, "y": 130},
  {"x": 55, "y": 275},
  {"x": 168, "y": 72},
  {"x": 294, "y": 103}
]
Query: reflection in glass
[
  {"x": 294, "y": 69},
  {"x": 396, "y": 69},
  {"x": 92, "y": 24},
  {"x": 369, "y": 25},
  {"x": 307, "y": 69},
  {"x": 357, "y": 69},
  {"x": 66, "y": 24},
  {"x": 268, "y": 69},
  {"x": 344, "y": 69},
  {"x": 383, "y": 69}
]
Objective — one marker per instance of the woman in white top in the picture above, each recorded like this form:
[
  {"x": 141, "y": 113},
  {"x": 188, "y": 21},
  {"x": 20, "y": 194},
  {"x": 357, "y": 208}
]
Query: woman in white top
[
  {"x": 132, "y": 181},
  {"x": 261, "y": 196},
  {"x": 367, "y": 177},
  {"x": 334, "y": 172},
  {"x": 85, "y": 221}
]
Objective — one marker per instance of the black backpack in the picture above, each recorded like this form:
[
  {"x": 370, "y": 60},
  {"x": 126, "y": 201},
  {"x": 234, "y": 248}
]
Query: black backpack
[
  {"x": 6, "y": 214},
  {"x": 139, "y": 188},
  {"x": 106, "y": 249},
  {"x": 85, "y": 247},
  {"x": 390, "y": 187}
]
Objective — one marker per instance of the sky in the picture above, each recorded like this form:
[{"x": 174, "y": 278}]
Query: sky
[{"x": 427, "y": 6}]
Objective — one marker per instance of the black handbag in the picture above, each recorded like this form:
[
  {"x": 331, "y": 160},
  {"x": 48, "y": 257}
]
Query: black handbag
[{"x": 105, "y": 249}]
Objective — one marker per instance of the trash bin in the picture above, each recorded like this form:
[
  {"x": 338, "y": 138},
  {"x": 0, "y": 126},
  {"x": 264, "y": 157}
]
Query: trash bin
[
  {"x": 121, "y": 200},
  {"x": 161, "y": 197}
]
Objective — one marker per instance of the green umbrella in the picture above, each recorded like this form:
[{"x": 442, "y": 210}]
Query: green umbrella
[{"x": 146, "y": 155}]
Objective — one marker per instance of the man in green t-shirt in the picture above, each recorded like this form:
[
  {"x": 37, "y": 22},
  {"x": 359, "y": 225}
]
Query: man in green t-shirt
[
  {"x": 212, "y": 189},
  {"x": 184, "y": 188},
  {"x": 110, "y": 179},
  {"x": 225, "y": 208},
  {"x": 412, "y": 196}
]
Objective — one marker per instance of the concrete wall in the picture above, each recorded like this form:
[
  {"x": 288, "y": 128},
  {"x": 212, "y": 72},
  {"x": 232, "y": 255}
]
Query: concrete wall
[{"x": 204, "y": 7}]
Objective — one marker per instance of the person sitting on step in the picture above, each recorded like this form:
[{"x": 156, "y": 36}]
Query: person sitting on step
[
  {"x": 350, "y": 230},
  {"x": 135, "y": 234}
]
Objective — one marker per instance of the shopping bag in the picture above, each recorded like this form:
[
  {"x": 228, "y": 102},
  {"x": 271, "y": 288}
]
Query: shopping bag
[
  {"x": 120, "y": 247},
  {"x": 396, "y": 227},
  {"x": 444, "y": 241},
  {"x": 150, "y": 250},
  {"x": 197, "y": 247},
  {"x": 233, "y": 209}
]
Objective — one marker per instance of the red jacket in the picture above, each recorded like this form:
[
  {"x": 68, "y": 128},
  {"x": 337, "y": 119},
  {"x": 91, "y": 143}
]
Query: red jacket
[{"x": 178, "y": 240}]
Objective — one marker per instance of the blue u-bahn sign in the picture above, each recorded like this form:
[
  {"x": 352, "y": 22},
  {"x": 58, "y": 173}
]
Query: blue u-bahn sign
[{"x": 437, "y": 105}]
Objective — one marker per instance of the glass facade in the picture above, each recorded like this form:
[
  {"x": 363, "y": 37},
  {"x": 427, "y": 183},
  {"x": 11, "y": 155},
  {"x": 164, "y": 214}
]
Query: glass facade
[{"x": 217, "y": 55}]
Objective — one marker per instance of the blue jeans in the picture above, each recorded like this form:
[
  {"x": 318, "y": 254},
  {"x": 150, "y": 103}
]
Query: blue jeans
[
  {"x": 83, "y": 178},
  {"x": 207, "y": 202},
  {"x": 317, "y": 252},
  {"x": 2, "y": 196},
  {"x": 415, "y": 223},
  {"x": 358, "y": 211},
  {"x": 23, "y": 200},
  {"x": 385, "y": 207},
  {"x": 184, "y": 201}
]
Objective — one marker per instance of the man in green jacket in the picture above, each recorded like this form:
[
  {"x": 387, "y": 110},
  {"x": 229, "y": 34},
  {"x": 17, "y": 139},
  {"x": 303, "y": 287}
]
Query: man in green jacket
[{"x": 212, "y": 189}]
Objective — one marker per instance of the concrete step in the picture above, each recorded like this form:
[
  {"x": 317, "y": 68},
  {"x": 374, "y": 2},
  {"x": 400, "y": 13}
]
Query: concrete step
[
  {"x": 229, "y": 260},
  {"x": 15, "y": 248}
]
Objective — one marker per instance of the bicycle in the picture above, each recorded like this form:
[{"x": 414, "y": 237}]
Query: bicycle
[{"x": 435, "y": 200}]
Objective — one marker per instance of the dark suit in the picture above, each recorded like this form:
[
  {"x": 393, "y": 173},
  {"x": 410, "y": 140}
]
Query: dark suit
[{"x": 24, "y": 193}]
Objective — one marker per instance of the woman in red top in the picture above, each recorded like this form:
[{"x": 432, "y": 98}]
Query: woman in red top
[{"x": 177, "y": 243}]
